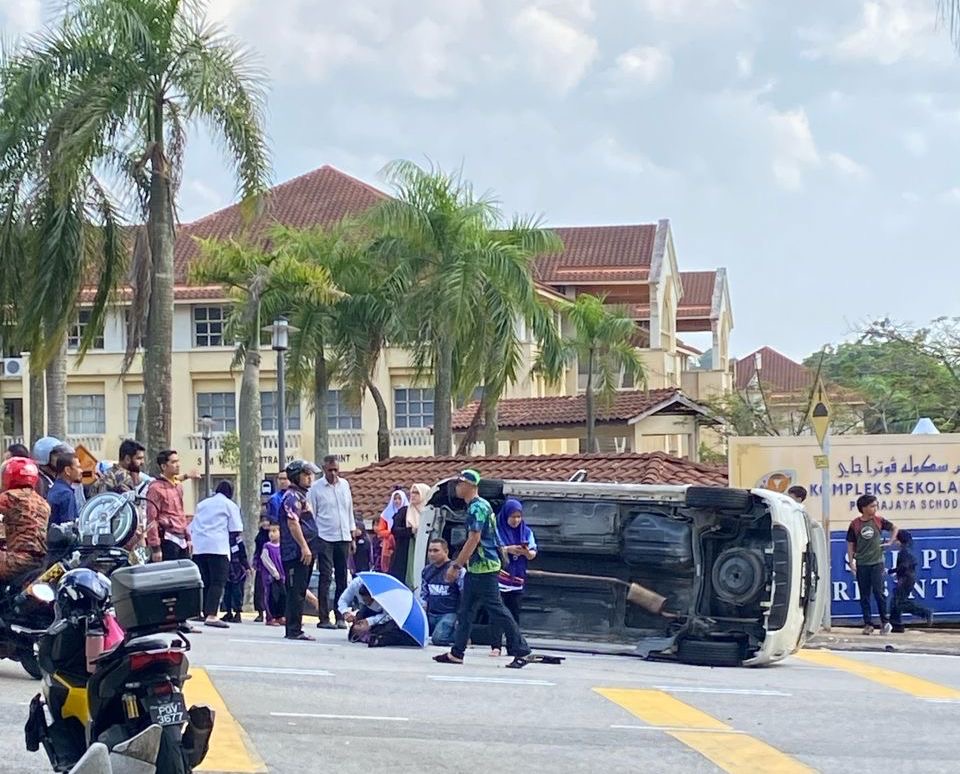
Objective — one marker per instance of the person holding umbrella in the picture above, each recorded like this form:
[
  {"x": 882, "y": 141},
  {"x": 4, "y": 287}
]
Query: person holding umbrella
[{"x": 480, "y": 556}]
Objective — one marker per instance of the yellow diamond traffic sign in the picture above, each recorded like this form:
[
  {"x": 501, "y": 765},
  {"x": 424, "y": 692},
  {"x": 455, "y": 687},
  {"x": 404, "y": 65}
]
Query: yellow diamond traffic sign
[{"x": 820, "y": 412}]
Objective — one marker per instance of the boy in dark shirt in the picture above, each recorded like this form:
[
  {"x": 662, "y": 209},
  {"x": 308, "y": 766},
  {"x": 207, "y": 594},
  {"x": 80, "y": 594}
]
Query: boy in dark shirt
[
  {"x": 906, "y": 574},
  {"x": 865, "y": 554}
]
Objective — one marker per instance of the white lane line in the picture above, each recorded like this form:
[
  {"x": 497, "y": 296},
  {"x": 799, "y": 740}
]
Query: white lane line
[
  {"x": 282, "y": 641},
  {"x": 337, "y": 717},
  {"x": 730, "y": 691},
  {"x": 494, "y": 680},
  {"x": 943, "y": 701},
  {"x": 679, "y": 729},
  {"x": 268, "y": 670}
]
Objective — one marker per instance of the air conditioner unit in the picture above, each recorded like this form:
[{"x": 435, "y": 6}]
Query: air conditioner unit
[{"x": 12, "y": 368}]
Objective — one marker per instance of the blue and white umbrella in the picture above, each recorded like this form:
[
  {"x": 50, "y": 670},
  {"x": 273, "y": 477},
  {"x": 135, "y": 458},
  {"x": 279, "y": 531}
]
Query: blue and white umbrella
[{"x": 399, "y": 603}]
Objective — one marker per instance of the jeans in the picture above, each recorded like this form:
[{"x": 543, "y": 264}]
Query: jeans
[
  {"x": 511, "y": 601},
  {"x": 213, "y": 572},
  {"x": 870, "y": 580},
  {"x": 903, "y": 604},
  {"x": 233, "y": 596},
  {"x": 482, "y": 592},
  {"x": 441, "y": 628},
  {"x": 298, "y": 579},
  {"x": 331, "y": 558}
]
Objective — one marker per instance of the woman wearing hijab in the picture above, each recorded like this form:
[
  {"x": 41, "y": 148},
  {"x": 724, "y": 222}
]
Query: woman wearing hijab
[
  {"x": 406, "y": 522},
  {"x": 520, "y": 547},
  {"x": 398, "y": 499}
]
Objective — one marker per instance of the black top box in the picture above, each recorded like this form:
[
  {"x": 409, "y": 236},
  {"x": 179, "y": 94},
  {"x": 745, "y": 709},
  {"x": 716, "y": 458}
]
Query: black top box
[{"x": 157, "y": 597}]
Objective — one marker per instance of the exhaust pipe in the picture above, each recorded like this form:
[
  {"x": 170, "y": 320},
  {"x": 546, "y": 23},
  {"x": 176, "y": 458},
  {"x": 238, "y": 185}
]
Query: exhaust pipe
[
  {"x": 196, "y": 739},
  {"x": 638, "y": 595}
]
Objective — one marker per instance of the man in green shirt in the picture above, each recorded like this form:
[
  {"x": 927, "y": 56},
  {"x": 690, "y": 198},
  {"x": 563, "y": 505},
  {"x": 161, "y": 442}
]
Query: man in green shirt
[
  {"x": 865, "y": 554},
  {"x": 480, "y": 556}
]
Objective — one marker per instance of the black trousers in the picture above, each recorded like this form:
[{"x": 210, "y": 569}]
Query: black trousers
[
  {"x": 171, "y": 551},
  {"x": 298, "y": 579},
  {"x": 213, "y": 572},
  {"x": 482, "y": 592},
  {"x": 511, "y": 601},
  {"x": 903, "y": 604},
  {"x": 331, "y": 558},
  {"x": 870, "y": 580},
  {"x": 259, "y": 603}
]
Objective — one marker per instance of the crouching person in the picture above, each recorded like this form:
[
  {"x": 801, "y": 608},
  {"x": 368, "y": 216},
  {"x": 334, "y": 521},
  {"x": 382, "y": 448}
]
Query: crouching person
[
  {"x": 369, "y": 622},
  {"x": 440, "y": 599}
]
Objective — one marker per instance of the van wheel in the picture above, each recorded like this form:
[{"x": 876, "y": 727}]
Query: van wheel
[
  {"x": 720, "y": 498},
  {"x": 710, "y": 653}
]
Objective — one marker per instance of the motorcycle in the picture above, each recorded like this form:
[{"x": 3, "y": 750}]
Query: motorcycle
[
  {"x": 114, "y": 666},
  {"x": 104, "y": 523}
]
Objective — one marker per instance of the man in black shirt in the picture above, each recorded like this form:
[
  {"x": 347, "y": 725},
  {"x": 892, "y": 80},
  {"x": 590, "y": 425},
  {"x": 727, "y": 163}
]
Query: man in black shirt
[{"x": 906, "y": 575}]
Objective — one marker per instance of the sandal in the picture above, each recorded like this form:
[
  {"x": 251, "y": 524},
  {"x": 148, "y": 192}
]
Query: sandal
[
  {"x": 447, "y": 658},
  {"x": 518, "y": 662},
  {"x": 303, "y": 637}
]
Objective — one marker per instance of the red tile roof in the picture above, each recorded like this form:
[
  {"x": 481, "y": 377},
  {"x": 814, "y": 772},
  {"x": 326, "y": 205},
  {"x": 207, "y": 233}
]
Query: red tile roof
[
  {"x": 698, "y": 287},
  {"x": 599, "y": 254},
  {"x": 319, "y": 198},
  {"x": 570, "y": 409},
  {"x": 372, "y": 485},
  {"x": 776, "y": 370}
]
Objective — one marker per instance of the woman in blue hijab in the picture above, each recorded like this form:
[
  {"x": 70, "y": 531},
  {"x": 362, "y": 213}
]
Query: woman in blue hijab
[{"x": 520, "y": 547}]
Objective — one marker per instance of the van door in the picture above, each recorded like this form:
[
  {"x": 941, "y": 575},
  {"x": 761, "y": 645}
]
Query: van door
[{"x": 817, "y": 564}]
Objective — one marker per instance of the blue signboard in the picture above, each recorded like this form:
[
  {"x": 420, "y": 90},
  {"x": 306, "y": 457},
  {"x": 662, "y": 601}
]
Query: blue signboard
[{"x": 938, "y": 581}]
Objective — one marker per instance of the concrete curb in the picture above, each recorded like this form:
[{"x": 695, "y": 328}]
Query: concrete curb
[{"x": 888, "y": 644}]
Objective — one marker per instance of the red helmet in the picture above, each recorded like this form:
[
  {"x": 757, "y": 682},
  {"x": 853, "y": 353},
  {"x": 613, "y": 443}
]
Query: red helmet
[{"x": 20, "y": 473}]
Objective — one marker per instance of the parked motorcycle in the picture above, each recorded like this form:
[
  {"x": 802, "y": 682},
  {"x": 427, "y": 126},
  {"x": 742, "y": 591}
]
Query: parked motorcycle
[
  {"x": 26, "y": 610},
  {"x": 114, "y": 663}
]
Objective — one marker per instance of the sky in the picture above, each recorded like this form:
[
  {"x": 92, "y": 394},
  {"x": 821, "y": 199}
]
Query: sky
[{"x": 810, "y": 148}]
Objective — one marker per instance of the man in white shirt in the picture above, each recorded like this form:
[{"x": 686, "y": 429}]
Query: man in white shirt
[
  {"x": 331, "y": 501},
  {"x": 214, "y": 521}
]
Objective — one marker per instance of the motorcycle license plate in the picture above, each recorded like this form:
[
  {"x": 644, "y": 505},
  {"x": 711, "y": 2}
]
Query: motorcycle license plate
[
  {"x": 168, "y": 710},
  {"x": 51, "y": 574}
]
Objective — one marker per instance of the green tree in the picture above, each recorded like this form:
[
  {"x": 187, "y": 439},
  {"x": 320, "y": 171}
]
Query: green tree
[
  {"x": 604, "y": 339},
  {"x": 448, "y": 235},
  {"x": 256, "y": 277},
  {"x": 114, "y": 85}
]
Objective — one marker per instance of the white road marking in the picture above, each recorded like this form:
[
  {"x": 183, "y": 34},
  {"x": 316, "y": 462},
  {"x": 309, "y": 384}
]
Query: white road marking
[
  {"x": 679, "y": 729},
  {"x": 336, "y": 717},
  {"x": 283, "y": 641},
  {"x": 269, "y": 670},
  {"x": 494, "y": 680},
  {"x": 731, "y": 691}
]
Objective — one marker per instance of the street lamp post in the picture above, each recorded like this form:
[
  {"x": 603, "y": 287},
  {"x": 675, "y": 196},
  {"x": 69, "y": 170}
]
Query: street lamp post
[
  {"x": 206, "y": 429},
  {"x": 280, "y": 342}
]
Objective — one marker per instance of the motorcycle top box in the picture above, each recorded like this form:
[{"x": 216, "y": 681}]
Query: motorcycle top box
[{"x": 157, "y": 597}]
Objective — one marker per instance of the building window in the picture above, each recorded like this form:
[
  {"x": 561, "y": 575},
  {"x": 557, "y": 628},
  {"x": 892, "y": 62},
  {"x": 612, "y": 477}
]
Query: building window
[
  {"x": 134, "y": 401},
  {"x": 78, "y": 330},
  {"x": 413, "y": 407},
  {"x": 208, "y": 326},
  {"x": 222, "y": 407},
  {"x": 340, "y": 414},
  {"x": 268, "y": 412},
  {"x": 86, "y": 415},
  {"x": 625, "y": 382}
]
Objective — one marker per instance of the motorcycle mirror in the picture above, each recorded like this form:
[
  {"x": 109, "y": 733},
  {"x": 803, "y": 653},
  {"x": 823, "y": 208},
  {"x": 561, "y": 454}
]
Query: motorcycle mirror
[{"x": 43, "y": 591}]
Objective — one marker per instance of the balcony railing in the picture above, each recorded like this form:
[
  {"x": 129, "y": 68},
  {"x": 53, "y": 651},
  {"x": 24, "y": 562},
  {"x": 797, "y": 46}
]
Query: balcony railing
[
  {"x": 92, "y": 443},
  {"x": 346, "y": 439},
  {"x": 267, "y": 441},
  {"x": 412, "y": 438}
]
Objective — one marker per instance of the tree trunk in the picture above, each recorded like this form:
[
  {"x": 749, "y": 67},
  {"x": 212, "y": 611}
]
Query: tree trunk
[
  {"x": 140, "y": 431},
  {"x": 37, "y": 405},
  {"x": 443, "y": 398},
  {"x": 250, "y": 469},
  {"x": 158, "y": 349},
  {"x": 57, "y": 393},
  {"x": 321, "y": 422},
  {"x": 473, "y": 430},
  {"x": 591, "y": 410},
  {"x": 491, "y": 428},
  {"x": 383, "y": 422}
]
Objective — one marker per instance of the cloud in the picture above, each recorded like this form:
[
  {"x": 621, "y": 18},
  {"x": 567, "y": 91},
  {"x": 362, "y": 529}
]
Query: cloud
[
  {"x": 558, "y": 53},
  {"x": 847, "y": 167},
  {"x": 643, "y": 65},
  {"x": 951, "y": 196},
  {"x": 911, "y": 197},
  {"x": 794, "y": 149},
  {"x": 745, "y": 64},
  {"x": 691, "y": 11},
  {"x": 915, "y": 142},
  {"x": 890, "y": 31},
  {"x": 21, "y": 16}
]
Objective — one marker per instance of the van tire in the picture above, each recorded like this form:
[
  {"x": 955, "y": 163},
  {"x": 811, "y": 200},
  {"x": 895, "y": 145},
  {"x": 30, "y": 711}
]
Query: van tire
[
  {"x": 712, "y": 653},
  {"x": 720, "y": 498}
]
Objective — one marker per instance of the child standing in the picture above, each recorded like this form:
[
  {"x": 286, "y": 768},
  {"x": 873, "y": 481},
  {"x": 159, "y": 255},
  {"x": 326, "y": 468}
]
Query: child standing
[
  {"x": 273, "y": 579},
  {"x": 236, "y": 579},
  {"x": 906, "y": 574},
  {"x": 259, "y": 581}
]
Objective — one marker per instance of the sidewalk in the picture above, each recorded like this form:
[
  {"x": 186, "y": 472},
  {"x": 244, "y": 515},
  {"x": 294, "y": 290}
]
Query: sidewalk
[{"x": 940, "y": 642}]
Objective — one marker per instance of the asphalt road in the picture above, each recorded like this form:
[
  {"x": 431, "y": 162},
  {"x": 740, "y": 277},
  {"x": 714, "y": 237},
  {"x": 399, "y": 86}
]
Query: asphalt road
[{"x": 332, "y": 706}]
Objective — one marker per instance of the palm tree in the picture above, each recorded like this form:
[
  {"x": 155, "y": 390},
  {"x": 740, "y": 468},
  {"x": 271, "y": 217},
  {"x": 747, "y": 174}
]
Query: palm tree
[
  {"x": 448, "y": 235},
  {"x": 113, "y": 86},
  {"x": 604, "y": 340},
  {"x": 256, "y": 277},
  {"x": 949, "y": 11}
]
